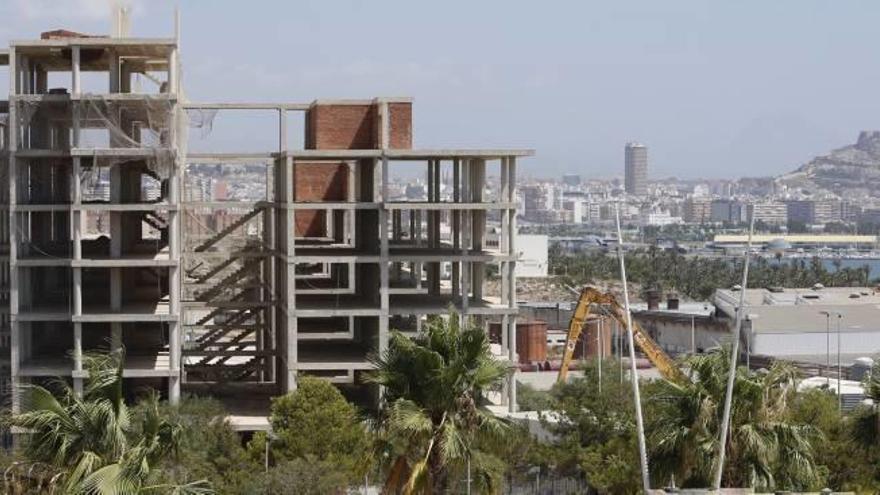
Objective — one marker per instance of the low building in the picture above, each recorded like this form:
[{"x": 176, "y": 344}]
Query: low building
[
  {"x": 813, "y": 212},
  {"x": 806, "y": 324},
  {"x": 681, "y": 327},
  {"x": 804, "y": 241},
  {"x": 531, "y": 255},
  {"x": 770, "y": 213}
]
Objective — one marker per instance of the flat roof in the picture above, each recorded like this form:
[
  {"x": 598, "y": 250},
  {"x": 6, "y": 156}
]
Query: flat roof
[
  {"x": 144, "y": 54},
  {"x": 802, "y": 296},
  {"x": 800, "y": 310},
  {"x": 415, "y": 154},
  {"x": 796, "y": 238}
]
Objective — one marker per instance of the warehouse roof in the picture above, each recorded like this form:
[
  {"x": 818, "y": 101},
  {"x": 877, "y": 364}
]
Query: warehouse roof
[
  {"x": 796, "y": 238},
  {"x": 800, "y": 310}
]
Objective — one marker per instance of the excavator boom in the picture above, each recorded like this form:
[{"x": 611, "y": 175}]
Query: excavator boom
[{"x": 590, "y": 297}]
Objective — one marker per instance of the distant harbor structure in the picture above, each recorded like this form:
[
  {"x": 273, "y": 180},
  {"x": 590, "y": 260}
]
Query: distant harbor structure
[
  {"x": 798, "y": 241},
  {"x": 636, "y": 168}
]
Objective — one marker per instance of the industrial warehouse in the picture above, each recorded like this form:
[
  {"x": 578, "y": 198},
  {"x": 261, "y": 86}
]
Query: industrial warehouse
[{"x": 108, "y": 246}]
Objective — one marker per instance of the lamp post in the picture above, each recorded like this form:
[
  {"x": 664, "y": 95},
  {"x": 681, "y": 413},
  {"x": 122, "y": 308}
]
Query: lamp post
[
  {"x": 599, "y": 349},
  {"x": 839, "y": 392},
  {"x": 827, "y": 346}
]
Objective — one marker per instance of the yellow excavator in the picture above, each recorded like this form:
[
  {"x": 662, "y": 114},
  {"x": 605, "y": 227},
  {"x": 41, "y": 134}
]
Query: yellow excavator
[{"x": 590, "y": 297}]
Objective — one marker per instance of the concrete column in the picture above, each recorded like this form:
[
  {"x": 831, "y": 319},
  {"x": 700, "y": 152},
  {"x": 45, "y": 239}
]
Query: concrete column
[
  {"x": 511, "y": 175},
  {"x": 384, "y": 296},
  {"x": 173, "y": 72},
  {"x": 175, "y": 235},
  {"x": 502, "y": 248},
  {"x": 115, "y": 251},
  {"x": 75, "y": 86},
  {"x": 14, "y": 325},
  {"x": 511, "y": 385},
  {"x": 27, "y": 75},
  {"x": 396, "y": 236},
  {"x": 418, "y": 243},
  {"x": 352, "y": 196},
  {"x": 292, "y": 337},
  {"x": 435, "y": 287},
  {"x": 124, "y": 77},
  {"x": 479, "y": 225},
  {"x": 271, "y": 290},
  {"x": 113, "y": 70},
  {"x": 456, "y": 230},
  {"x": 466, "y": 239},
  {"x": 282, "y": 130},
  {"x": 40, "y": 80},
  {"x": 77, "y": 359},
  {"x": 429, "y": 220},
  {"x": 511, "y": 236}
]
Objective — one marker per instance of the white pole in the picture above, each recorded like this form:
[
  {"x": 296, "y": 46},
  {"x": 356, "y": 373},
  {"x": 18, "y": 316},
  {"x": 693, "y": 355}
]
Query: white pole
[
  {"x": 734, "y": 351},
  {"x": 266, "y": 458},
  {"x": 827, "y": 347},
  {"x": 693, "y": 336},
  {"x": 839, "y": 371},
  {"x": 599, "y": 349},
  {"x": 643, "y": 454}
]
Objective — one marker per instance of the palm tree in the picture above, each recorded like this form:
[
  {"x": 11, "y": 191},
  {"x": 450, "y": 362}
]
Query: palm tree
[
  {"x": 765, "y": 450},
  {"x": 434, "y": 422},
  {"x": 88, "y": 444}
]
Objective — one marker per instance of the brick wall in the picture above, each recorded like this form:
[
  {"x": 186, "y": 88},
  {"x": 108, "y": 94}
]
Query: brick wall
[
  {"x": 401, "y": 125},
  {"x": 316, "y": 181},
  {"x": 339, "y": 126}
]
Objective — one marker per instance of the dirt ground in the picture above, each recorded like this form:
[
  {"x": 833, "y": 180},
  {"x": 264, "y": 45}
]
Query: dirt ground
[{"x": 553, "y": 289}]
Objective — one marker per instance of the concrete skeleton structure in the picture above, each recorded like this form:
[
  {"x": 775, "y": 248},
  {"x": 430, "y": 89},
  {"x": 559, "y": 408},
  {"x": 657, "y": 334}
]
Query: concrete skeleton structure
[{"x": 225, "y": 296}]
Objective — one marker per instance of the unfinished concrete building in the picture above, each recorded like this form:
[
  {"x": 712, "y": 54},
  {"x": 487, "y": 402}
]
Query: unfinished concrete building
[{"x": 112, "y": 238}]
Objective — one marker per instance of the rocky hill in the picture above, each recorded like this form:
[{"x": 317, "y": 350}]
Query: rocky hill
[{"x": 851, "y": 170}]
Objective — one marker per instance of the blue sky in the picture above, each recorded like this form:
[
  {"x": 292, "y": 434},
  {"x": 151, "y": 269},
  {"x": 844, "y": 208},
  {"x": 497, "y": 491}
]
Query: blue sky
[{"x": 715, "y": 89}]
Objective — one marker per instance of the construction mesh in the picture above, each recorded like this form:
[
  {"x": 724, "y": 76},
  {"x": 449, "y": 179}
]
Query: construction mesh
[
  {"x": 201, "y": 119},
  {"x": 147, "y": 124}
]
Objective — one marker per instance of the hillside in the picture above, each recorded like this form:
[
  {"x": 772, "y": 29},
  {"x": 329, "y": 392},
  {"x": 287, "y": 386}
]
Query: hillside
[{"x": 851, "y": 170}]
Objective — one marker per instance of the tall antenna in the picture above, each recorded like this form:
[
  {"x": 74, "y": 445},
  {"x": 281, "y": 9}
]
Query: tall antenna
[
  {"x": 734, "y": 355},
  {"x": 637, "y": 398}
]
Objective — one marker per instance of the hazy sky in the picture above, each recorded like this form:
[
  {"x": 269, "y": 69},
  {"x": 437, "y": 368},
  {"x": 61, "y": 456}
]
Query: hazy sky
[{"x": 715, "y": 89}]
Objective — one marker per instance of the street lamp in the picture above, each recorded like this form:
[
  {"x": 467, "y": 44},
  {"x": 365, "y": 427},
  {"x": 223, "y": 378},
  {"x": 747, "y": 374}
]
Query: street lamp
[
  {"x": 839, "y": 393},
  {"x": 827, "y": 345}
]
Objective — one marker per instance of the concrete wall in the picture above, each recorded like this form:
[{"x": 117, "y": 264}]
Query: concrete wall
[
  {"x": 816, "y": 344},
  {"x": 676, "y": 333},
  {"x": 532, "y": 256}
]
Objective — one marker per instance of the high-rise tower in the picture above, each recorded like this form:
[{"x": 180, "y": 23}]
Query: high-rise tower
[{"x": 636, "y": 159}]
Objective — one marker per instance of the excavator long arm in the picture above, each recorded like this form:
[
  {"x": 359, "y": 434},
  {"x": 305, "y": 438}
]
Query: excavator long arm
[{"x": 591, "y": 296}]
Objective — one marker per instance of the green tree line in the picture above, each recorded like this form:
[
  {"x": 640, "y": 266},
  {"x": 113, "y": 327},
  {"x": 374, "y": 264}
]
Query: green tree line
[
  {"x": 697, "y": 277},
  {"x": 434, "y": 432}
]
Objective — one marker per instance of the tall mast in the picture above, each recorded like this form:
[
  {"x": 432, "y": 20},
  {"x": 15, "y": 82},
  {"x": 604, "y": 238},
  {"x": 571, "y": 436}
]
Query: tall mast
[
  {"x": 734, "y": 355},
  {"x": 637, "y": 398}
]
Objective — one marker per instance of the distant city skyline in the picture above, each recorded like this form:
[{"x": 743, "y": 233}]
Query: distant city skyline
[{"x": 712, "y": 97}]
